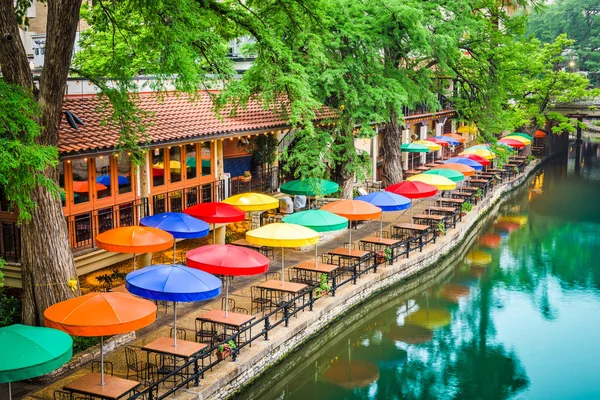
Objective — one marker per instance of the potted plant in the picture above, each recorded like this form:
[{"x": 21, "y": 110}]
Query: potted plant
[
  {"x": 224, "y": 350},
  {"x": 441, "y": 228},
  {"x": 384, "y": 256},
  {"x": 465, "y": 208},
  {"x": 323, "y": 288},
  {"x": 247, "y": 177},
  {"x": 478, "y": 193}
]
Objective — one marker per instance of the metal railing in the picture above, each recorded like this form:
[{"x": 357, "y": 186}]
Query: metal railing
[{"x": 10, "y": 241}]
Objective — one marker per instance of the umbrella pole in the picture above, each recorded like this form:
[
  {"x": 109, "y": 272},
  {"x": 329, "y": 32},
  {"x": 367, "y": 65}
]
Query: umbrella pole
[
  {"x": 174, "y": 250},
  {"x": 174, "y": 324},
  {"x": 316, "y": 254},
  {"x": 134, "y": 261},
  {"x": 350, "y": 243},
  {"x": 381, "y": 226},
  {"x": 101, "y": 360},
  {"x": 282, "y": 265},
  {"x": 9, "y": 392},
  {"x": 214, "y": 233},
  {"x": 226, "y": 297}
]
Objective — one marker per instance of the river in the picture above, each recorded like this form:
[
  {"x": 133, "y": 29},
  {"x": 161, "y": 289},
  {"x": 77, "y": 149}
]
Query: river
[{"x": 517, "y": 317}]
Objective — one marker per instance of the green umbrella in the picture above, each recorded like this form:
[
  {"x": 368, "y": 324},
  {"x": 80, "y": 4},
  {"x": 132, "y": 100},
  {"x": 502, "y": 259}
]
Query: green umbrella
[
  {"x": 451, "y": 174},
  {"x": 523, "y": 135},
  {"x": 30, "y": 351},
  {"x": 318, "y": 221},
  {"x": 191, "y": 163},
  {"x": 414, "y": 148},
  {"x": 309, "y": 187}
]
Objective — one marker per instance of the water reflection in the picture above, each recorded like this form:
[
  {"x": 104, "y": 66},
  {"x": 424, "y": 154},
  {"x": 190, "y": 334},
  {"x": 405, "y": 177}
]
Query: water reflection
[{"x": 517, "y": 318}]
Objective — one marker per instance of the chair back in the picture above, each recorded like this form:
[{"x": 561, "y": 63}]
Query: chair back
[
  {"x": 181, "y": 333},
  {"x": 272, "y": 275},
  {"x": 61, "y": 395},
  {"x": 130, "y": 357},
  {"x": 230, "y": 303}
]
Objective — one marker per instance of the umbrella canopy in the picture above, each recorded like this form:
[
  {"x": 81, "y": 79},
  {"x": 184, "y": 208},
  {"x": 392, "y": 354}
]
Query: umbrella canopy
[
  {"x": 521, "y": 139},
  {"x": 468, "y": 129},
  {"x": 540, "y": 134},
  {"x": 414, "y": 148},
  {"x": 463, "y": 169},
  {"x": 507, "y": 226},
  {"x": 465, "y": 161},
  {"x": 310, "y": 187},
  {"x": 456, "y": 137},
  {"x": 190, "y": 162},
  {"x": 30, "y": 351},
  {"x": 438, "y": 140},
  {"x": 490, "y": 241},
  {"x": 450, "y": 140},
  {"x": 282, "y": 235},
  {"x": 84, "y": 186},
  {"x": 354, "y": 210},
  {"x": 387, "y": 201},
  {"x": 474, "y": 157},
  {"x": 451, "y": 174},
  {"x": 227, "y": 259},
  {"x": 515, "y": 144},
  {"x": 173, "y": 283},
  {"x": 180, "y": 225},
  {"x": 478, "y": 257},
  {"x": 134, "y": 239},
  {"x": 432, "y": 146},
  {"x": 351, "y": 374},
  {"x": 252, "y": 202},
  {"x": 411, "y": 334},
  {"x": 487, "y": 154},
  {"x": 105, "y": 180},
  {"x": 174, "y": 164},
  {"x": 216, "y": 213},
  {"x": 440, "y": 182},
  {"x": 413, "y": 190},
  {"x": 523, "y": 135},
  {"x": 430, "y": 318},
  {"x": 100, "y": 314},
  {"x": 318, "y": 220}
]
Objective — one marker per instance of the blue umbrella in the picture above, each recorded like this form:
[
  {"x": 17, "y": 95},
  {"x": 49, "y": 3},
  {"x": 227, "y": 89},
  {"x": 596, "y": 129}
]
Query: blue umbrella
[
  {"x": 451, "y": 141},
  {"x": 173, "y": 283},
  {"x": 180, "y": 225},
  {"x": 387, "y": 201},
  {"x": 105, "y": 180},
  {"x": 465, "y": 161}
]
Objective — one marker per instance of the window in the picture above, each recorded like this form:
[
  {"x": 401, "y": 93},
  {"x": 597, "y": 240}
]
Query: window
[
  {"x": 158, "y": 167},
  {"x": 103, "y": 181},
  {"x": 206, "y": 159},
  {"x": 175, "y": 163},
  {"x": 124, "y": 174},
  {"x": 191, "y": 161},
  {"x": 81, "y": 187}
]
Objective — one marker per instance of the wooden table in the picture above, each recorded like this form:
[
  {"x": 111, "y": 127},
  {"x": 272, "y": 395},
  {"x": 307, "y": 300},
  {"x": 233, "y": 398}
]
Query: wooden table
[
  {"x": 412, "y": 233},
  {"x": 349, "y": 253},
  {"x": 456, "y": 203},
  {"x": 422, "y": 168},
  {"x": 114, "y": 388},
  {"x": 164, "y": 345},
  {"x": 233, "y": 321},
  {"x": 306, "y": 270},
  {"x": 429, "y": 219},
  {"x": 450, "y": 212},
  {"x": 376, "y": 243},
  {"x": 273, "y": 288},
  {"x": 411, "y": 172}
]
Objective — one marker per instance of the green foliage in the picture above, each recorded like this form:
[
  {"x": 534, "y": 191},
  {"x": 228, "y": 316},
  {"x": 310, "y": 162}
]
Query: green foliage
[
  {"x": 10, "y": 306},
  {"x": 264, "y": 149},
  {"x": 466, "y": 207},
  {"x": 22, "y": 160},
  {"x": 441, "y": 227},
  {"x": 81, "y": 343}
]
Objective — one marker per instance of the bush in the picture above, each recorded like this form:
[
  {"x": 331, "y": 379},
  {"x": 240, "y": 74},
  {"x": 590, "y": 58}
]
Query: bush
[
  {"x": 10, "y": 306},
  {"x": 81, "y": 343}
]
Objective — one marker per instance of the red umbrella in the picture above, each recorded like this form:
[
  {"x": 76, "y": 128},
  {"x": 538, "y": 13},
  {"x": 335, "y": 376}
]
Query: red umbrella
[
  {"x": 515, "y": 144},
  {"x": 441, "y": 142},
  {"x": 413, "y": 190},
  {"x": 476, "y": 158},
  {"x": 490, "y": 241},
  {"x": 216, "y": 213},
  {"x": 226, "y": 259}
]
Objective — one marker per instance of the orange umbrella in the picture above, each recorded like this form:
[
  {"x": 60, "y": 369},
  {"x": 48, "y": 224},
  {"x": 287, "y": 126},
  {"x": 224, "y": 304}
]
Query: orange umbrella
[
  {"x": 100, "y": 314},
  {"x": 134, "y": 239},
  {"x": 540, "y": 134},
  {"x": 456, "y": 137},
  {"x": 354, "y": 210},
  {"x": 463, "y": 169},
  {"x": 84, "y": 186},
  {"x": 490, "y": 240}
]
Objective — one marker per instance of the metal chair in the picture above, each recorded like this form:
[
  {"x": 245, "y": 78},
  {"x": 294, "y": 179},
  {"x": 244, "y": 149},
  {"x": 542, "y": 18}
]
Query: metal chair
[
  {"x": 230, "y": 303},
  {"x": 272, "y": 275},
  {"x": 205, "y": 332},
  {"x": 181, "y": 333},
  {"x": 133, "y": 365},
  {"x": 108, "y": 367},
  {"x": 62, "y": 395},
  {"x": 259, "y": 303}
]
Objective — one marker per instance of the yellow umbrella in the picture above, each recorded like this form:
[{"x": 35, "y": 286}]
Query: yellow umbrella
[
  {"x": 430, "y": 318},
  {"x": 432, "y": 146},
  {"x": 478, "y": 257},
  {"x": 469, "y": 129},
  {"x": 514, "y": 219},
  {"x": 172, "y": 165},
  {"x": 523, "y": 140},
  {"x": 282, "y": 235},
  {"x": 252, "y": 201},
  {"x": 440, "y": 182},
  {"x": 488, "y": 155}
]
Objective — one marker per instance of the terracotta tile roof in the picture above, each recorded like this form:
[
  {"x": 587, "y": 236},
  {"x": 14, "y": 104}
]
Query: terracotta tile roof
[{"x": 173, "y": 118}]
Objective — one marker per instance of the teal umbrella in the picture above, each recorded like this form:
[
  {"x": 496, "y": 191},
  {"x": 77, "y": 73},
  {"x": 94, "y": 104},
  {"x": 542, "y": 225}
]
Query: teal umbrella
[
  {"x": 318, "y": 221},
  {"x": 190, "y": 162},
  {"x": 414, "y": 148},
  {"x": 451, "y": 174},
  {"x": 523, "y": 135},
  {"x": 309, "y": 187},
  {"x": 30, "y": 351}
]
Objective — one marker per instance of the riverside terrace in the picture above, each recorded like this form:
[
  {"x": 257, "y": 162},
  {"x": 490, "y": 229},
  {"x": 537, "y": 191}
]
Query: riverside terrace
[{"x": 207, "y": 372}]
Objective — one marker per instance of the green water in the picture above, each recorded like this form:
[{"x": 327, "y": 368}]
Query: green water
[{"x": 516, "y": 317}]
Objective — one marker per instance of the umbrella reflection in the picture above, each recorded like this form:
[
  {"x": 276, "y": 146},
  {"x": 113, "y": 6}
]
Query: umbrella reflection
[
  {"x": 431, "y": 318},
  {"x": 351, "y": 374},
  {"x": 411, "y": 334}
]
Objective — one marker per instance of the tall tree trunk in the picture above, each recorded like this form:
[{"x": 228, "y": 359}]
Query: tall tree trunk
[
  {"x": 345, "y": 155},
  {"x": 47, "y": 262},
  {"x": 392, "y": 153}
]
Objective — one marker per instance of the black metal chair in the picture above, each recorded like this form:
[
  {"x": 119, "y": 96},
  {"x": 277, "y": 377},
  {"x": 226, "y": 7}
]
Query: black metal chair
[
  {"x": 134, "y": 367},
  {"x": 272, "y": 275},
  {"x": 181, "y": 333},
  {"x": 205, "y": 332},
  {"x": 259, "y": 303},
  {"x": 62, "y": 395},
  {"x": 108, "y": 367},
  {"x": 230, "y": 303}
]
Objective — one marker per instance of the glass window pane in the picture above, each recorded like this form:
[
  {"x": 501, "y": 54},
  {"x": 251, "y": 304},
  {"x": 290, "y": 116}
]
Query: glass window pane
[
  {"x": 61, "y": 183},
  {"x": 206, "y": 160},
  {"x": 103, "y": 180},
  {"x": 124, "y": 173},
  {"x": 81, "y": 188},
  {"x": 175, "y": 163},
  {"x": 158, "y": 167},
  {"x": 190, "y": 161}
]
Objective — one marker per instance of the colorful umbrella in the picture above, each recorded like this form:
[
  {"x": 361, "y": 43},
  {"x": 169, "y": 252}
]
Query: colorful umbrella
[
  {"x": 282, "y": 235},
  {"x": 478, "y": 257},
  {"x": 174, "y": 165},
  {"x": 100, "y": 314},
  {"x": 387, "y": 201},
  {"x": 450, "y": 140},
  {"x": 105, "y": 180},
  {"x": 84, "y": 186},
  {"x": 439, "y": 141},
  {"x": 411, "y": 334},
  {"x": 540, "y": 134},
  {"x": 490, "y": 241},
  {"x": 30, "y": 351},
  {"x": 414, "y": 148},
  {"x": 216, "y": 213},
  {"x": 488, "y": 155},
  {"x": 521, "y": 139},
  {"x": 134, "y": 239},
  {"x": 413, "y": 190},
  {"x": 180, "y": 225},
  {"x": 440, "y": 182},
  {"x": 466, "y": 161},
  {"x": 430, "y": 318},
  {"x": 229, "y": 260},
  {"x": 173, "y": 283},
  {"x": 463, "y": 169},
  {"x": 310, "y": 187},
  {"x": 252, "y": 202},
  {"x": 354, "y": 210},
  {"x": 468, "y": 129},
  {"x": 432, "y": 146},
  {"x": 474, "y": 157},
  {"x": 451, "y": 174},
  {"x": 523, "y": 135},
  {"x": 516, "y": 144},
  {"x": 456, "y": 137}
]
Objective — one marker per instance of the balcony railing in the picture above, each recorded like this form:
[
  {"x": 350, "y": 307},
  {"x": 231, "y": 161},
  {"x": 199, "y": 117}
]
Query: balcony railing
[{"x": 10, "y": 241}]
